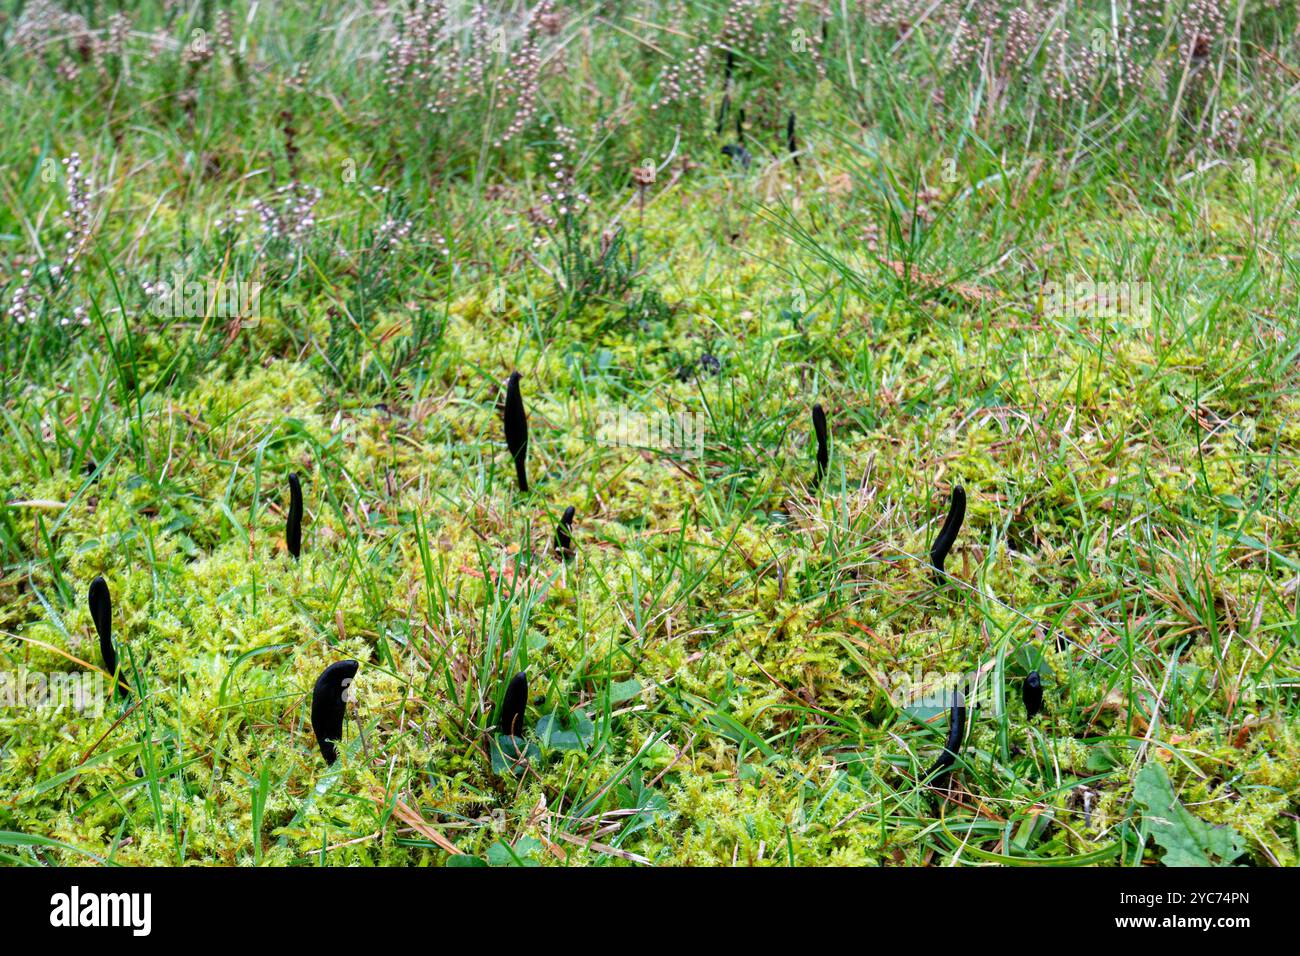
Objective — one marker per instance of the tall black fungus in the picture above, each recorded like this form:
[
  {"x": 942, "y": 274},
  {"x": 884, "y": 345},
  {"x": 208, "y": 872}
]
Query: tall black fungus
[
  {"x": 791, "y": 143},
  {"x": 564, "y": 534},
  {"x": 956, "y": 726},
  {"x": 516, "y": 424},
  {"x": 948, "y": 533},
  {"x": 101, "y": 612},
  {"x": 329, "y": 701},
  {"x": 293, "y": 528},
  {"x": 823, "y": 451},
  {"x": 511, "y": 721},
  {"x": 1032, "y": 693}
]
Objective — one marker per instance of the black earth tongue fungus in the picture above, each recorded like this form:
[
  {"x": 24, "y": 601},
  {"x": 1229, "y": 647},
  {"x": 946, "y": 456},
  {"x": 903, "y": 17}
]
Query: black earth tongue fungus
[
  {"x": 948, "y": 533},
  {"x": 293, "y": 527},
  {"x": 823, "y": 451},
  {"x": 101, "y": 612},
  {"x": 738, "y": 153},
  {"x": 564, "y": 534},
  {"x": 511, "y": 719},
  {"x": 951, "y": 747},
  {"x": 1032, "y": 693},
  {"x": 516, "y": 424},
  {"x": 791, "y": 143},
  {"x": 329, "y": 701}
]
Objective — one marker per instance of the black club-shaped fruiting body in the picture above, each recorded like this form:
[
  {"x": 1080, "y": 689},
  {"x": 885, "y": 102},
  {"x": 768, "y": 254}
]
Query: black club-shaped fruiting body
[
  {"x": 948, "y": 533},
  {"x": 511, "y": 720},
  {"x": 1032, "y": 693},
  {"x": 516, "y": 426},
  {"x": 564, "y": 534},
  {"x": 952, "y": 746},
  {"x": 101, "y": 612},
  {"x": 791, "y": 143},
  {"x": 329, "y": 701},
  {"x": 293, "y": 527},
  {"x": 738, "y": 153},
  {"x": 823, "y": 450}
]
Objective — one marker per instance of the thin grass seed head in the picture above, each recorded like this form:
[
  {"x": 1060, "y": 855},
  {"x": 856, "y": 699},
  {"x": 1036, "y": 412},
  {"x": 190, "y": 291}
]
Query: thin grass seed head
[{"x": 329, "y": 701}]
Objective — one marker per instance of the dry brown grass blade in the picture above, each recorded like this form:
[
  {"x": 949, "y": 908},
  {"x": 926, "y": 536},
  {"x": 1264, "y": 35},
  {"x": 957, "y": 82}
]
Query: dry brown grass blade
[{"x": 421, "y": 826}]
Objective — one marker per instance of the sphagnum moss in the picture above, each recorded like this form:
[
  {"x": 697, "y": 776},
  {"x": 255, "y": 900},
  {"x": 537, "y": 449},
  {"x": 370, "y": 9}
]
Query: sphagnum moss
[{"x": 733, "y": 650}]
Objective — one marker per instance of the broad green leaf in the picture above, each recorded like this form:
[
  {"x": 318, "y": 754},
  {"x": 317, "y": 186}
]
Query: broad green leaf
[{"x": 1186, "y": 839}]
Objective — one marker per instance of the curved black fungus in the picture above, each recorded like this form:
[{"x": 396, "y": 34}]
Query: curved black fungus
[
  {"x": 738, "y": 154},
  {"x": 516, "y": 429},
  {"x": 791, "y": 143},
  {"x": 293, "y": 527},
  {"x": 511, "y": 721},
  {"x": 710, "y": 363},
  {"x": 564, "y": 534},
  {"x": 328, "y": 705},
  {"x": 1032, "y": 693},
  {"x": 948, "y": 533},
  {"x": 951, "y": 747},
  {"x": 101, "y": 612},
  {"x": 823, "y": 452}
]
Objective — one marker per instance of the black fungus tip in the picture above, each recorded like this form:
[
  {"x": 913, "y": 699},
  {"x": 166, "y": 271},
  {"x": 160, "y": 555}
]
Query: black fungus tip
[
  {"x": 329, "y": 700},
  {"x": 823, "y": 450},
  {"x": 101, "y": 612},
  {"x": 293, "y": 527},
  {"x": 952, "y": 746},
  {"x": 564, "y": 533},
  {"x": 1032, "y": 693},
  {"x": 948, "y": 533},
  {"x": 738, "y": 154},
  {"x": 511, "y": 719},
  {"x": 516, "y": 426},
  {"x": 791, "y": 143}
]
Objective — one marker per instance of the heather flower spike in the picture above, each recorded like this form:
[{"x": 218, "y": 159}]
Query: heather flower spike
[
  {"x": 948, "y": 533},
  {"x": 293, "y": 529},
  {"x": 1032, "y": 693},
  {"x": 516, "y": 424},
  {"x": 956, "y": 727},
  {"x": 511, "y": 721},
  {"x": 823, "y": 452},
  {"x": 101, "y": 612},
  {"x": 564, "y": 534},
  {"x": 329, "y": 700}
]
